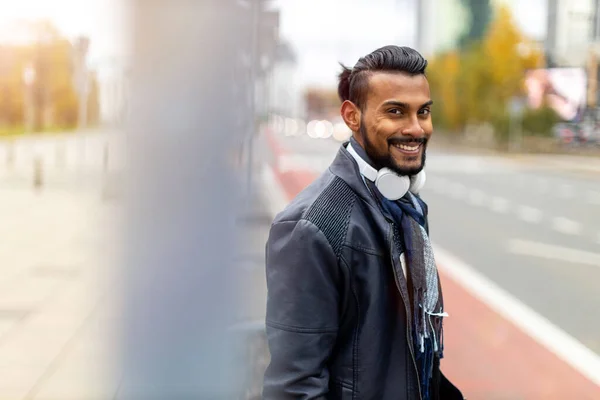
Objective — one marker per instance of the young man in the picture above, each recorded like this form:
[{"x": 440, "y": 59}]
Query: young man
[{"x": 354, "y": 307}]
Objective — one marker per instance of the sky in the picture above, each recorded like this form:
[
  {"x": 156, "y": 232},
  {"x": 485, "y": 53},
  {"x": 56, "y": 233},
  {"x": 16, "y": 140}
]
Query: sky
[
  {"x": 325, "y": 32},
  {"x": 101, "y": 20},
  {"x": 322, "y": 32}
]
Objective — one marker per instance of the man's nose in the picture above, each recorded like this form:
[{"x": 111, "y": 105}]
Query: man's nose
[{"x": 413, "y": 128}]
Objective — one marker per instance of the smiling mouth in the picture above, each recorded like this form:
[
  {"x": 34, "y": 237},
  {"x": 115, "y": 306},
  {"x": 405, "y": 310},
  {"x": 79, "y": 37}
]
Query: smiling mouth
[{"x": 408, "y": 149}]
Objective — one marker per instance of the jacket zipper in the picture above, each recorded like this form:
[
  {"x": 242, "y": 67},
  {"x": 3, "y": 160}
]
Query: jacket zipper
[{"x": 408, "y": 333}]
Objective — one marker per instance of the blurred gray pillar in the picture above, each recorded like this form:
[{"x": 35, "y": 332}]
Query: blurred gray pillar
[
  {"x": 255, "y": 12},
  {"x": 179, "y": 285}
]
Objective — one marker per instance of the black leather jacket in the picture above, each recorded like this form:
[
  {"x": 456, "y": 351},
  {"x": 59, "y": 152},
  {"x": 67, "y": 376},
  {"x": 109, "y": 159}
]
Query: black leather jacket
[{"x": 338, "y": 301}]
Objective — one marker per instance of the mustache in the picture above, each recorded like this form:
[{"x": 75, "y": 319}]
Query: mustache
[{"x": 407, "y": 141}]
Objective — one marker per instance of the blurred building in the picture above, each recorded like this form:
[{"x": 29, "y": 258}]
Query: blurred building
[
  {"x": 479, "y": 15},
  {"x": 449, "y": 24},
  {"x": 286, "y": 94},
  {"x": 440, "y": 25},
  {"x": 570, "y": 31}
]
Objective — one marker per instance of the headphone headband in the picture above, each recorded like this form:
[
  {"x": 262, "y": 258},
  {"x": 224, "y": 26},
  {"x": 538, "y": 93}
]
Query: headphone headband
[
  {"x": 389, "y": 183},
  {"x": 365, "y": 169}
]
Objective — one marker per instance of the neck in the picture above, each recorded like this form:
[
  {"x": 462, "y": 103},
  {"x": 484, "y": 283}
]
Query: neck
[{"x": 358, "y": 147}]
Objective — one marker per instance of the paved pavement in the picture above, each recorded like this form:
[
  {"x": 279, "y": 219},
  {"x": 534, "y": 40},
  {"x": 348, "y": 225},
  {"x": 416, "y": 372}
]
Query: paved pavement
[
  {"x": 56, "y": 329},
  {"x": 533, "y": 232}
]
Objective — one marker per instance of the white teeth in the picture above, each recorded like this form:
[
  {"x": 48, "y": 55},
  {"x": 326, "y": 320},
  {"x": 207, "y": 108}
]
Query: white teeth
[{"x": 407, "y": 148}]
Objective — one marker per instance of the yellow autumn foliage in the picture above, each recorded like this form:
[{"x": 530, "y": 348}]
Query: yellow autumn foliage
[
  {"x": 475, "y": 85},
  {"x": 54, "y": 99}
]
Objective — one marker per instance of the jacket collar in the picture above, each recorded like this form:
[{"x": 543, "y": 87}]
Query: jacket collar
[{"x": 346, "y": 168}]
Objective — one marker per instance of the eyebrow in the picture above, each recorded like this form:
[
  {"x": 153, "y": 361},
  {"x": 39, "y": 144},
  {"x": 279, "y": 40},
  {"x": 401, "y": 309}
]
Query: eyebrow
[{"x": 404, "y": 105}]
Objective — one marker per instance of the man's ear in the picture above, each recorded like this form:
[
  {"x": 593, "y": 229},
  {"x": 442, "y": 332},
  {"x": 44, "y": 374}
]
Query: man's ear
[{"x": 351, "y": 115}]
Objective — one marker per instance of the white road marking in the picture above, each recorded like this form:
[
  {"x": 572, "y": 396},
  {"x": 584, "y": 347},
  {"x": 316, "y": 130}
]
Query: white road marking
[
  {"x": 566, "y": 226},
  {"x": 593, "y": 197},
  {"x": 457, "y": 191},
  {"x": 564, "y": 346},
  {"x": 552, "y": 252},
  {"x": 529, "y": 214},
  {"x": 542, "y": 184},
  {"x": 566, "y": 191},
  {"x": 438, "y": 185},
  {"x": 476, "y": 197},
  {"x": 499, "y": 205}
]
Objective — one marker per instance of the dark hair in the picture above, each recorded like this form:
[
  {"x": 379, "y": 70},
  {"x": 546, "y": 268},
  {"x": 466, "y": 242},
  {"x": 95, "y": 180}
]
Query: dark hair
[{"x": 354, "y": 83}]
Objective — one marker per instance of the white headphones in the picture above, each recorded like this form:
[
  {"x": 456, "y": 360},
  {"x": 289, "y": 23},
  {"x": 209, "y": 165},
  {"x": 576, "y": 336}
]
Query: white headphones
[{"x": 390, "y": 184}]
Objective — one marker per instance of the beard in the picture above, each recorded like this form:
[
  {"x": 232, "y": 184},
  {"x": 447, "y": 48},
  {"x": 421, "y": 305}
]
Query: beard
[{"x": 387, "y": 161}]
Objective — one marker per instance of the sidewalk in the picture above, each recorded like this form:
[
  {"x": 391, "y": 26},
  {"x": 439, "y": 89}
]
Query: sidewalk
[
  {"x": 55, "y": 335},
  {"x": 487, "y": 356}
]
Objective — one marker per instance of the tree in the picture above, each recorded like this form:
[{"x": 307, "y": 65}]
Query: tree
[
  {"x": 475, "y": 85},
  {"x": 93, "y": 105},
  {"x": 52, "y": 93},
  {"x": 509, "y": 55},
  {"x": 11, "y": 86},
  {"x": 59, "y": 84},
  {"x": 442, "y": 75}
]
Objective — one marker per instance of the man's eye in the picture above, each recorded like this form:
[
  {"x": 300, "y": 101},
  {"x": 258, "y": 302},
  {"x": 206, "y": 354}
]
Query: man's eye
[
  {"x": 395, "y": 111},
  {"x": 425, "y": 111}
]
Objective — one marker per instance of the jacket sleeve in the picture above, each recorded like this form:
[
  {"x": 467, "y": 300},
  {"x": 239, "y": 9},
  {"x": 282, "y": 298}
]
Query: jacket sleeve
[{"x": 302, "y": 311}]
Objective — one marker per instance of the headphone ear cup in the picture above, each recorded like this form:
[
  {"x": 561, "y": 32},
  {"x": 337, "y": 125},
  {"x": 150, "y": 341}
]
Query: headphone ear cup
[
  {"x": 391, "y": 185},
  {"x": 417, "y": 182}
]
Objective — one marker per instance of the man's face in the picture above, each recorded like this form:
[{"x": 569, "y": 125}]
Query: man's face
[{"x": 395, "y": 122}]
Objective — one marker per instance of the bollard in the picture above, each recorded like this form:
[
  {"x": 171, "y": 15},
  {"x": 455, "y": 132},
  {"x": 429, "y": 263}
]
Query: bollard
[{"x": 38, "y": 173}]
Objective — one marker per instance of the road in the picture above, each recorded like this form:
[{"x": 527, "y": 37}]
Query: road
[{"x": 532, "y": 229}]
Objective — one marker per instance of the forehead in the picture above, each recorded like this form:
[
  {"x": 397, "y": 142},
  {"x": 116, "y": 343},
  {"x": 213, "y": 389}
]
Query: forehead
[{"x": 398, "y": 86}]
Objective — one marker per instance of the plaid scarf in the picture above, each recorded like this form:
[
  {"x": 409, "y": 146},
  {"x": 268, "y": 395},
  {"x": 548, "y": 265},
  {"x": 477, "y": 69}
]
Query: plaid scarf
[{"x": 427, "y": 307}]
